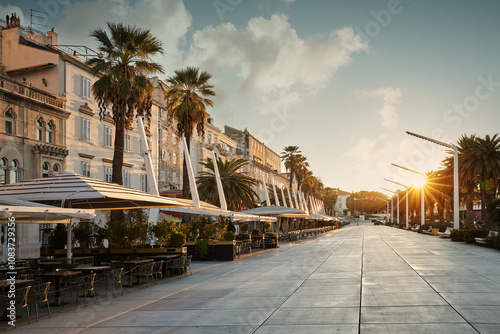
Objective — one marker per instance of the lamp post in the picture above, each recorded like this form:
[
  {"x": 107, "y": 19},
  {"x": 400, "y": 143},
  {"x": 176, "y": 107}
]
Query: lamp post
[
  {"x": 422, "y": 205},
  {"x": 387, "y": 202},
  {"x": 456, "y": 215},
  {"x": 406, "y": 188},
  {"x": 392, "y": 207}
]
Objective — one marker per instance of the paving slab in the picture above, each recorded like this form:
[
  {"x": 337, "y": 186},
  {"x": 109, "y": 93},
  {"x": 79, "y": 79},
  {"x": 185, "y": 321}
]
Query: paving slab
[{"x": 361, "y": 279}]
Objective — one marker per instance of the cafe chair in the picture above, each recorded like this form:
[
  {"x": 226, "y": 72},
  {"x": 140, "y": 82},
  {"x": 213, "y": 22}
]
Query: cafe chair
[
  {"x": 143, "y": 270},
  {"x": 114, "y": 277},
  {"x": 22, "y": 301},
  {"x": 86, "y": 284},
  {"x": 39, "y": 294},
  {"x": 157, "y": 270}
]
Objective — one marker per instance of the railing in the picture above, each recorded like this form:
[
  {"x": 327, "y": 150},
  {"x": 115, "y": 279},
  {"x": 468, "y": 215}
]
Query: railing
[{"x": 32, "y": 93}]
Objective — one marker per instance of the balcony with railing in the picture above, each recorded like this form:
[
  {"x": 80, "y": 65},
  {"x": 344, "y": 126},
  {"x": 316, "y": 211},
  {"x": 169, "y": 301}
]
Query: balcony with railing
[{"x": 10, "y": 86}]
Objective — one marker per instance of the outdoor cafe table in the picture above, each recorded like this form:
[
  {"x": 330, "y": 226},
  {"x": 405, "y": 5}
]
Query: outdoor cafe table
[
  {"x": 51, "y": 265},
  {"x": 56, "y": 277},
  {"x": 129, "y": 264},
  {"x": 165, "y": 258},
  {"x": 92, "y": 269}
]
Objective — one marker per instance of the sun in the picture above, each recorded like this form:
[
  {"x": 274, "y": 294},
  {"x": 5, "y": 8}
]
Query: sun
[{"x": 418, "y": 181}]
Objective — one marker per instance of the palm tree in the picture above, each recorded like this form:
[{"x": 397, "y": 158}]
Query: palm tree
[
  {"x": 289, "y": 156},
  {"x": 487, "y": 167},
  {"x": 301, "y": 170},
  {"x": 237, "y": 186},
  {"x": 124, "y": 66},
  {"x": 187, "y": 99},
  {"x": 467, "y": 150}
]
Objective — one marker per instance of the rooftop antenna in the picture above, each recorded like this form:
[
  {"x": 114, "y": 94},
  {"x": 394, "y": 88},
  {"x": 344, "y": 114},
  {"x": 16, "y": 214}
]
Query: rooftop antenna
[{"x": 36, "y": 17}]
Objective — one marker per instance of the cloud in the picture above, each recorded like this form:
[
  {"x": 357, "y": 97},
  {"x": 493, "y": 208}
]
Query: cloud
[
  {"x": 367, "y": 149},
  {"x": 388, "y": 113},
  {"x": 268, "y": 57},
  {"x": 168, "y": 20},
  {"x": 10, "y": 9}
]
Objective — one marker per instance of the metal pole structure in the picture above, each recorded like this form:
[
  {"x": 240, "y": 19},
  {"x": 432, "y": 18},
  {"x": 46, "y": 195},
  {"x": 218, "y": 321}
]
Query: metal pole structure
[
  {"x": 220, "y": 190},
  {"x": 456, "y": 214},
  {"x": 151, "y": 176},
  {"x": 422, "y": 204},
  {"x": 406, "y": 188},
  {"x": 192, "y": 182},
  {"x": 386, "y": 201},
  {"x": 276, "y": 199},
  {"x": 283, "y": 196},
  {"x": 268, "y": 202},
  {"x": 392, "y": 205},
  {"x": 289, "y": 197}
]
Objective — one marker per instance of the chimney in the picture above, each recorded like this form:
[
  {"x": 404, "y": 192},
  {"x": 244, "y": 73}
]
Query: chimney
[{"x": 52, "y": 37}]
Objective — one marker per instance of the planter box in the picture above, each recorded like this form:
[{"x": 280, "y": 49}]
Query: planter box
[
  {"x": 225, "y": 250},
  {"x": 191, "y": 250}
]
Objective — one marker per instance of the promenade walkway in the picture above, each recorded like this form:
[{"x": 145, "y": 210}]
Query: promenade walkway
[{"x": 360, "y": 279}]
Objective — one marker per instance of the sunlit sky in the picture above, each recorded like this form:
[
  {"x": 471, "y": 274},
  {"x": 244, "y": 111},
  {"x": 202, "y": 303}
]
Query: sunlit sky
[{"x": 341, "y": 79}]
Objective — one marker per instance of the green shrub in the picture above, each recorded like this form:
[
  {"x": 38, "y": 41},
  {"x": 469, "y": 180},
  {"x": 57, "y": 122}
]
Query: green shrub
[
  {"x": 177, "y": 239},
  {"x": 267, "y": 226},
  {"x": 202, "y": 247},
  {"x": 230, "y": 227},
  {"x": 244, "y": 228},
  {"x": 494, "y": 242},
  {"x": 455, "y": 235},
  {"x": 228, "y": 236},
  {"x": 209, "y": 230},
  {"x": 469, "y": 235},
  {"x": 256, "y": 232},
  {"x": 59, "y": 237}
]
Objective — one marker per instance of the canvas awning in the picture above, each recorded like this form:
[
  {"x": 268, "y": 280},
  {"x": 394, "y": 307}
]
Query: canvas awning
[
  {"x": 31, "y": 213},
  {"x": 276, "y": 211},
  {"x": 208, "y": 209},
  {"x": 77, "y": 191}
]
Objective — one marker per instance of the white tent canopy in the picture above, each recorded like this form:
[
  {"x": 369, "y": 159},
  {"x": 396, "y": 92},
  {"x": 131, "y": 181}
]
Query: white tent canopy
[
  {"x": 77, "y": 191},
  {"x": 208, "y": 209},
  {"x": 31, "y": 212},
  {"x": 277, "y": 211}
]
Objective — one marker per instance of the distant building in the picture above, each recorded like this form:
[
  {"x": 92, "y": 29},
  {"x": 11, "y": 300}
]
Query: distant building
[
  {"x": 341, "y": 204},
  {"x": 263, "y": 160}
]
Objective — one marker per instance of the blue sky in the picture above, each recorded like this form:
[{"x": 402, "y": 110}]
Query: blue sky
[{"x": 341, "y": 79}]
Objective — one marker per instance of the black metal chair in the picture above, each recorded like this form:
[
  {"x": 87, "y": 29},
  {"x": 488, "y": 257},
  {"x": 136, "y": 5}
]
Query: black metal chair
[
  {"x": 158, "y": 270},
  {"x": 86, "y": 284},
  {"x": 114, "y": 277},
  {"x": 39, "y": 294},
  {"x": 22, "y": 301},
  {"x": 143, "y": 270}
]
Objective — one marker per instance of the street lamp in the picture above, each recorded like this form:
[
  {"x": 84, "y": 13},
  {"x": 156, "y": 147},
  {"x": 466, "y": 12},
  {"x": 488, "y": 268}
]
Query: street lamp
[
  {"x": 456, "y": 215},
  {"x": 422, "y": 205},
  {"x": 387, "y": 202},
  {"x": 392, "y": 206},
  {"x": 406, "y": 188}
]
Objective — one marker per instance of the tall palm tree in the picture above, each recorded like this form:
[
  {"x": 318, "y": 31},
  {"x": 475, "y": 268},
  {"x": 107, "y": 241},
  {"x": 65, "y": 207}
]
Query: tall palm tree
[
  {"x": 487, "y": 167},
  {"x": 290, "y": 157},
  {"x": 187, "y": 98},
  {"x": 301, "y": 170},
  {"x": 237, "y": 186},
  {"x": 467, "y": 150},
  {"x": 124, "y": 66}
]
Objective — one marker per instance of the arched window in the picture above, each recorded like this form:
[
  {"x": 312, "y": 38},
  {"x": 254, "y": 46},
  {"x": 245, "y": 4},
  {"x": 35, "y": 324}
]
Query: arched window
[
  {"x": 14, "y": 171},
  {"x": 3, "y": 171},
  {"x": 49, "y": 133},
  {"x": 45, "y": 169},
  {"x": 39, "y": 129},
  {"x": 56, "y": 169},
  {"x": 9, "y": 122}
]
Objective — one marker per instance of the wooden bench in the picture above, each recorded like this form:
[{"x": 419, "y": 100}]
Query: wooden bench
[{"x": 484, "y": 241}]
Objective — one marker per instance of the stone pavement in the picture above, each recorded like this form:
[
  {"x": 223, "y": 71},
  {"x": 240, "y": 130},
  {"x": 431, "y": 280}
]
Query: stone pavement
[{"x": 366, "y": 279}]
